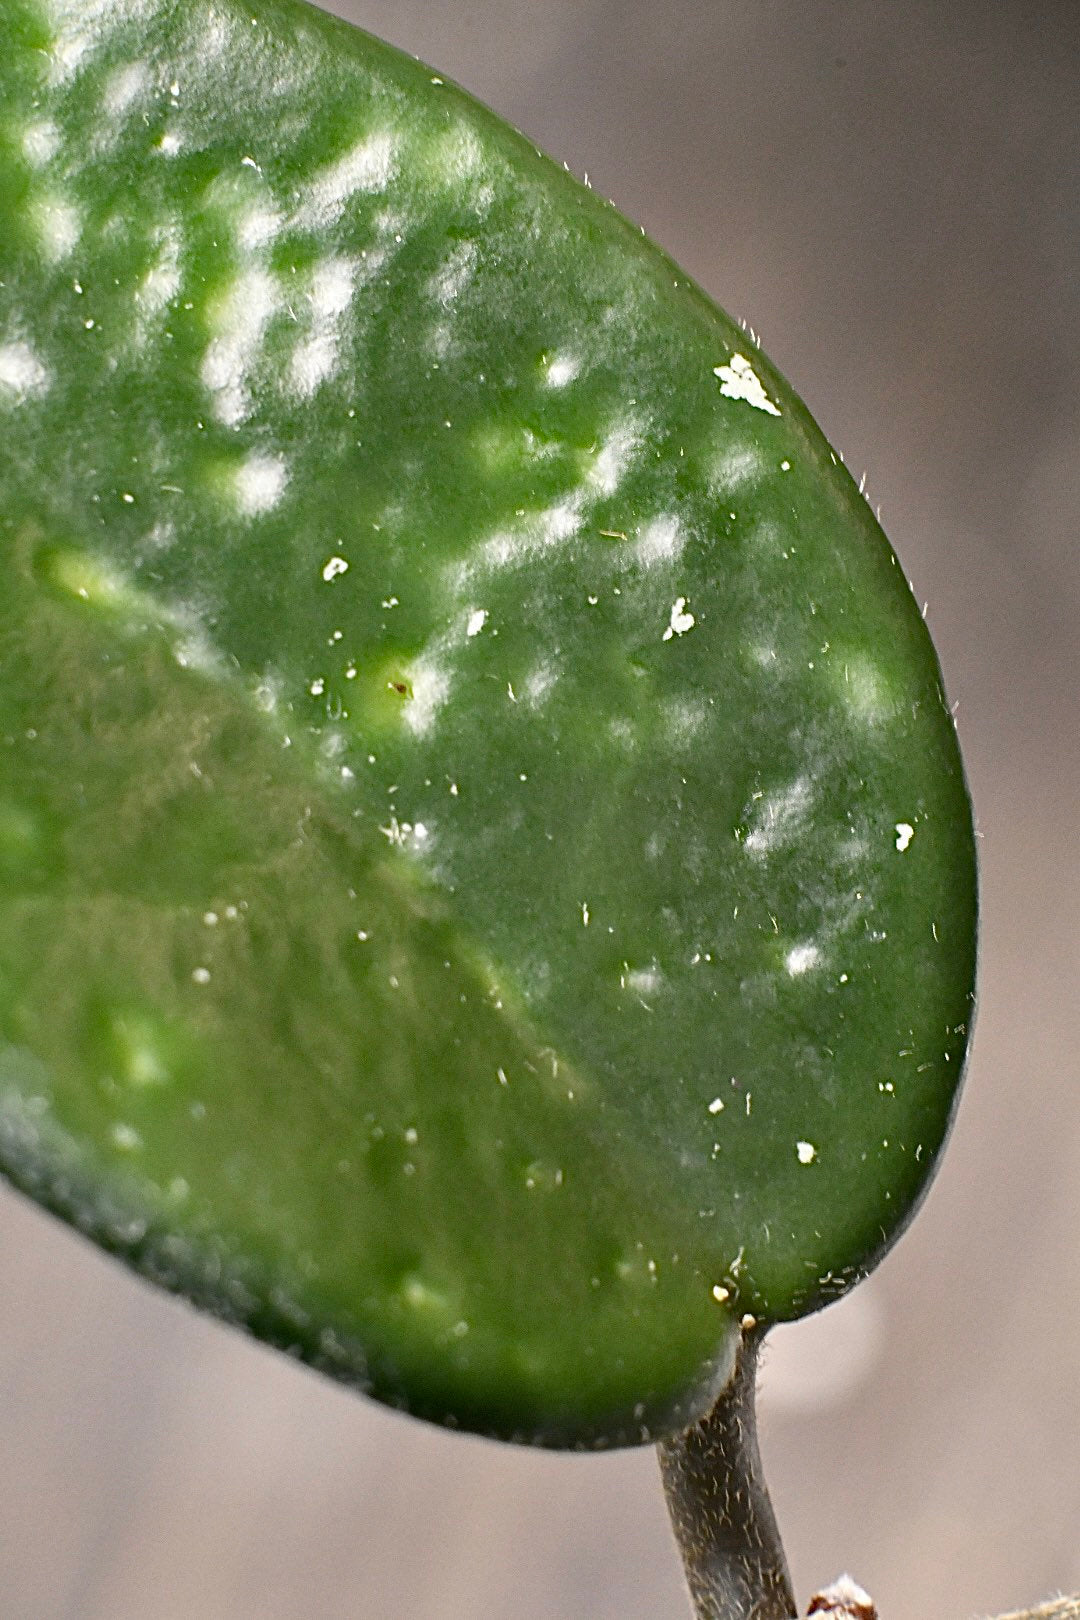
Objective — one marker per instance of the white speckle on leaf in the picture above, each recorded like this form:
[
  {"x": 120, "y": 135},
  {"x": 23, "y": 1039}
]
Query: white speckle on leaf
[
  {"x": 561, "y": 522},
  {"x": 683, "y": 719},
  {"x": 257, "y": 226},
  {"x": 476, "y": 622},
  {"x": 806, "y": 1151},
  {"x": 430, "y": 687},
  {"x": 239, "y": 320},
  {"x": 642, "y": 981},
  {"x": 865, "y": 689},
  {"x": 611, "y": 461},
  {"x": 126, "y": 1138},
  {"x": 662, "y": 541},
  {"x": 720, "y": 1293},
  {"x": 539, "y": 683},
  {"x": 800, "y": 959},
  {"x": 739, "y": 381},
  {"x": 778, "y": 817},
  {"x": 735, "y": 468},
  {"x": 365, "y": 168},
  {"x": 315, "y": 357},
  {"x": 159, "y": 285},
  {"x": 333, "y": 568},
  {"x": 453, "y": 276},
  {"x": 59, "y": 225},
  {"x": 22, "y": 374},
  {"x": 80, "y": 25},
  {"x": 126, "y": 84},
  {"x": 905, "y": 832},
  {"x": 170, "y": 143},
  {"x": 681, "y": 620},
  {"x": 716, "y": 1106},
  {"x": 201, "y": 975},
  {"x": 40, "y": 142},
  {"x": 259, "y": 483},
  {"x": 561, "y": 369},
  {"x": 457, "y": 154}
]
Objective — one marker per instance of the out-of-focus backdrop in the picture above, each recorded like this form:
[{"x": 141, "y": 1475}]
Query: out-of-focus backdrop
[{"x": 890, "y": 194}]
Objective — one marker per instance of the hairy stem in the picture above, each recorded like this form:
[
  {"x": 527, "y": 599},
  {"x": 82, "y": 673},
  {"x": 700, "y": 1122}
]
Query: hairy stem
[
  {"x": 720, "y": 1509},
  {"x": 1063, "y": 1608}
]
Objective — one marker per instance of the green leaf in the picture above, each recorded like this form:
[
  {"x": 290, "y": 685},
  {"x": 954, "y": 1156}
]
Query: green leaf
[{"x": 486, "y": 878}]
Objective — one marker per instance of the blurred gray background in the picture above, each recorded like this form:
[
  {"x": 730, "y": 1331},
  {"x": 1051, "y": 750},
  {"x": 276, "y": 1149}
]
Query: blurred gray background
[{"x": 890, "y": 195}]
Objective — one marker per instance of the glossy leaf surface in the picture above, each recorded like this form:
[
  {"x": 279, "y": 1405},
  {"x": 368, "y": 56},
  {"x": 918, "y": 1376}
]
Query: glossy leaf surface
[{"x": 486, "y": 877}]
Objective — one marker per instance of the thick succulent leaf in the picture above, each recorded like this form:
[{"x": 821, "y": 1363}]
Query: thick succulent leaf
[{"x": 486, "y": 877}]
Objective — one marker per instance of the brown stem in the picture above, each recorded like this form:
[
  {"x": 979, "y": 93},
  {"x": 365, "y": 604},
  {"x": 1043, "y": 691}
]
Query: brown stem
[
  {"x": 1063, "y": 1608},
  {"x": 720, "y": 1509}
]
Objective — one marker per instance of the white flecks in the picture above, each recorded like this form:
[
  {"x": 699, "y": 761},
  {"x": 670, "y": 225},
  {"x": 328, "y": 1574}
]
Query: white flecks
[
  {"x": 736, "y": 467},
  {"x": 40, "y": 142},
  {"x": 785, "y": 466},
  {"x": 22, "y": 374},
  {"x": 259, "y": 483},
  {"x": 806, "y": 1151},
  {"x": 905, "y": 832},
  {"x": 240, "y": 318},
  {"x": 740, "y": 381},
  {"x": 257, "y": 226},
  {"x": 170, "y": 143},
  {"x": 716, "y": 1106},
  {"x": 476, "y": 622},
  {"x": 125, "y": 85},
  {"x": 200, "y": 975},
  {"x": 778, "y": 817},
  {"x": 318, "y": 686},
  {"x": 683, "y": 719},
  {"x": 720, "y": 1293},
  {"x": 453, "y": 276},
  {"x": 609, "y": 464},
  {"x": 642, "y": 981},
  {"x": 80, "y": 24},
  {"x": 126, "y": 1138},
  {"x": 430, "y": 687},
  {"x": 681, "y": 620},
  {"x": 539, "y": 683},
  {"x": 458, "y": 155},
  {"x": 800, "y": 959},
  {"x": 364, "y": 169},
  {"x": 159, "y": 285},
  {"x": 410, "y": 835},
  {"x": 561, "y": 369},
  {"x": 65, "y": 54},
  {"x": 59, "y": 225},
  {"x": 585, "y": 913},
  {"x": 866, "y": 690},
  {"x": 315, "y": 357},
  {"x": 560, "y": 522},
  {"x": 333, "y": 568},
  {"x": 661, "y": 541}
]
